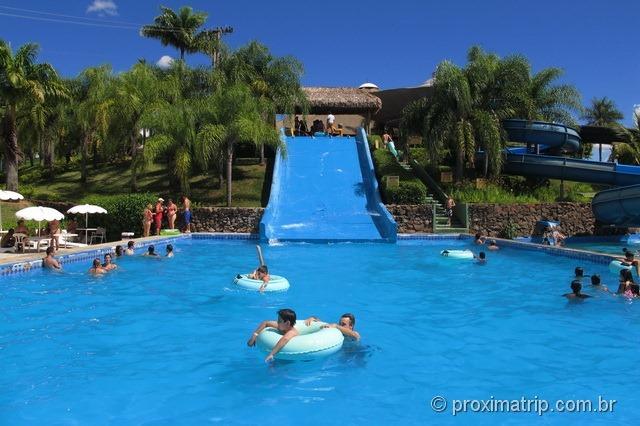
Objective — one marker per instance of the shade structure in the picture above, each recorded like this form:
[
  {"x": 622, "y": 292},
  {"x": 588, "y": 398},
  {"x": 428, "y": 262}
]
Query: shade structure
[
  {"x": 86, "y": 210},
  {"x": 8, "y": 196},
  {"x": 39, "y": 214}
]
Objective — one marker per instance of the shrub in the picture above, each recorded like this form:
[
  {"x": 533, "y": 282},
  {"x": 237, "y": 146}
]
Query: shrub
[
  {"x": 407, "y": 193},
  {"x": 372, "y": 142},
  {"x": 124, "y": 213}
]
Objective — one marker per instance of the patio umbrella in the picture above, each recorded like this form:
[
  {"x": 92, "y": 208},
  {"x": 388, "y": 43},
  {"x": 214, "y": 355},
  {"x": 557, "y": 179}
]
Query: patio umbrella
[
  {"x": 86, "y": 209},
  {"x": 7, "y": 196},
  {"x": 39, "y": 213}
]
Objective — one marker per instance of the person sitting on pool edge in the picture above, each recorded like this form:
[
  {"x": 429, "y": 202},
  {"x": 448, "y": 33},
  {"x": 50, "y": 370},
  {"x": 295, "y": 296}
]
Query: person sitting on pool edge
[
  {"x": 151, "y": 251},
  {"x": 261, "y": 274},
  {"x": 284, "y": 324},
  {"x": 96, "y": 267},
  {"x": 49, "y": 261},
  {"x": 629, "y": 260},
  {"x": 130, "y": 248},
  {"x": 169, "y": 250},
  {"x": 576, "y": 287},
  {"x": 108, "y": 265},
  {"x": 481, "y": 258},
  {"x": 345, "y": 324}
]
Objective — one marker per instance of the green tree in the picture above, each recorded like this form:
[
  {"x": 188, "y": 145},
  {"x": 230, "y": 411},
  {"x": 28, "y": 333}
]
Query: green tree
[
  {"x": 602, "y": 112},
  {"x": 233, "y": 115},
  {"x": 93, "y": 111},
  {"x": 179, "y": 30},
  {"x": 23, "y": 85}
]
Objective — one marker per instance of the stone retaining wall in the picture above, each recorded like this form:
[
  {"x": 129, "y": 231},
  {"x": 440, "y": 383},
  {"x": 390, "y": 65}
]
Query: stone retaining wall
[
  {"x": 227, "y": 219},
  {"x": 495, "y": 219},
  {"x": 412, "y": 218}
]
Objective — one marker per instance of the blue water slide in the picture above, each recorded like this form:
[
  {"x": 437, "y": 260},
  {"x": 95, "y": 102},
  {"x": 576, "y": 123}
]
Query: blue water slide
[
  {"x": 618, "y": 206},
  {"x": 325, "y": 190},
  {"x": 546, "y": 135}
]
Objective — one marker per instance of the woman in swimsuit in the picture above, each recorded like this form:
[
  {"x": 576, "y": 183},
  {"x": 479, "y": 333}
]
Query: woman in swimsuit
[
  {"x": 171, "y": 213},
  {"x": 147, "y": 218}
]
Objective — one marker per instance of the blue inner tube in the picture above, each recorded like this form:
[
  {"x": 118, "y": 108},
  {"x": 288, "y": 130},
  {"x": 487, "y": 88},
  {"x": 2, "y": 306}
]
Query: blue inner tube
[
  {"x": 312, "y": 342},
  {"x": 616, "y": 266},
  {"x": 276, "y": 283},
  {"x": 457, "y": 254}
]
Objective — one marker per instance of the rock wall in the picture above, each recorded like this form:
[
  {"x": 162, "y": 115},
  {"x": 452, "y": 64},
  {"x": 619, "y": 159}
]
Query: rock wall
[
  {"x": 495, "y": 219},
  {"x": 412, "y": 218},
  {"x": 227, "y": 219}
]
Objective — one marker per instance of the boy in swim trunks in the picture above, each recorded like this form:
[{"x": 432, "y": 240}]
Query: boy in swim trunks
[
  {"x": 284, "y": 324},
  {"x": 345, "y": 324},
  {"x": 261, "y": 274},
  {"x": 576, "y": 287}
]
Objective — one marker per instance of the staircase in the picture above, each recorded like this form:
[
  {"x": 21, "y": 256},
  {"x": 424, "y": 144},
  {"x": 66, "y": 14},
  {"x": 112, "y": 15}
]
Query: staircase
[{"x": 440, "y": 219}]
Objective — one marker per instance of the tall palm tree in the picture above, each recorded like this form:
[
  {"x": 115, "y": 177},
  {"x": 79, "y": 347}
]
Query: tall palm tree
[
  {"x": 233, "y": 116},
  {"x": 274, "y": 81},
  {"x": 93, "y": 112},
  {"x": 23, "y": 82},
  {"x": 546, "y": 100},
  {"x": 179, "y": 30},
  {"x": 135, "y": 92},
  {"x": 602, "y": 112}
]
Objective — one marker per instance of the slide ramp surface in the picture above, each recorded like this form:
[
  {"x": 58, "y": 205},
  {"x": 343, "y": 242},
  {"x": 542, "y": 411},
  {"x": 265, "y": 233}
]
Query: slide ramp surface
[{"x": 323, "y": 190}]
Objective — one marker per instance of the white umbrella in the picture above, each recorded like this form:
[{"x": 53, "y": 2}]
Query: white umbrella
[
  {"x": 8, "y": 196},
  {"x": 39, "y": 213},
  {"x": 86, "y": 209}
]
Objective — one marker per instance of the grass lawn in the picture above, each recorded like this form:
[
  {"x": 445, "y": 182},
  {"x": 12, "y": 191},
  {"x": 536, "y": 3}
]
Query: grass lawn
[{"x": 113, "y": 179}]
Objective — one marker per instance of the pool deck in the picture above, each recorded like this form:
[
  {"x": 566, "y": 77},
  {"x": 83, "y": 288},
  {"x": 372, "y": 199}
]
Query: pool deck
[{"x": 11, "y": 263}]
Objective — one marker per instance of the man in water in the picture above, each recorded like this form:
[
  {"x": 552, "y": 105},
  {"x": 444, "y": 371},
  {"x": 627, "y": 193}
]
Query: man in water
[
  {"x": 151, "y": 251},
  {"x": 493, "y": 245},
  {"x": 576, "y": 287},
  {"x": 49, "y": 261},
  {"x": 629, "y": 260},
  {"x": 108, "y": 264},
  {"x": 596, "y": 283},
  {"x": 481, "y": 258},
  {"x": 130, "y": 251},
  {"x": 579, "y": 273},
  {"x": 345, "y": 324},
  {"x": 169, "y": 250},
  {"x": 284, "y": 324}
]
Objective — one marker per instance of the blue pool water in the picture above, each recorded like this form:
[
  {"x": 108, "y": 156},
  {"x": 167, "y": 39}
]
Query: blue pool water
[
  {"x": 609, "y": 247},
  {"x": 164, "y": 341}
]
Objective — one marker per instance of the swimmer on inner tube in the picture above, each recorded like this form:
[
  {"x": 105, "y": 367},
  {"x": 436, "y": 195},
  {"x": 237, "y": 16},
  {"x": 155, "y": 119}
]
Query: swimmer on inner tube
[
  {"x": 284, "y": 324},
  {"x": 345, "y": 324},
  {"x": 261, "y": 274}
]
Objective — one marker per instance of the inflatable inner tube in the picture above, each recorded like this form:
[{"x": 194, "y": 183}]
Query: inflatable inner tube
[
  {"x": 313, "y": 341},
  {"x": 276, "y": 283},
  {"x": 457, "y": 254},
  {"x": 616, "y": 266}
]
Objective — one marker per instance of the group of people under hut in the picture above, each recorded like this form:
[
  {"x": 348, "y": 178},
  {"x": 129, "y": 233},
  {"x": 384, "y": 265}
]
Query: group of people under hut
[{"x": 300, "y": 127}]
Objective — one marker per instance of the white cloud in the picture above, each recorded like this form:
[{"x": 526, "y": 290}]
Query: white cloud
[
  {"x": 165, "y": 62},
  {"x": 103, "y": 7}
]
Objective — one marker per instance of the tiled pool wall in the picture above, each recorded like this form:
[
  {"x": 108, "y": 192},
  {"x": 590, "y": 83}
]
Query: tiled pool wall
[{"x": 26, "y": 266}]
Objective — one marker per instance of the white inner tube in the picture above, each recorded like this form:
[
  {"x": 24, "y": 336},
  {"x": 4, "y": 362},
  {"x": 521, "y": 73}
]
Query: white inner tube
[
  {"x": 312, "y": 342},
  {"x": 457, "y": 254},
  {"x": 276, "y": 283},
  {"x": 616, "y": 266}
]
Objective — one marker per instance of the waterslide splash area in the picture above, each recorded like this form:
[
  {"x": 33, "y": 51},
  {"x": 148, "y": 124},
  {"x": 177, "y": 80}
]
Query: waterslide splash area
[{"x": 324, "y": 189}]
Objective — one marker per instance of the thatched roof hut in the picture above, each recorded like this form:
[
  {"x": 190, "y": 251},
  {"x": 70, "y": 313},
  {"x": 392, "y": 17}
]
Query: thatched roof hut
[{"x": 341, "y": 100}]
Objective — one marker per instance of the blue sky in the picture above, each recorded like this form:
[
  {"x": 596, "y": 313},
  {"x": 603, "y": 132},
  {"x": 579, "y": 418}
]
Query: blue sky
[{"x": 347, "y": 42}]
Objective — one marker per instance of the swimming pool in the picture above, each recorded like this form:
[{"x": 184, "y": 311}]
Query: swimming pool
[{"x": 164, "y": 341}]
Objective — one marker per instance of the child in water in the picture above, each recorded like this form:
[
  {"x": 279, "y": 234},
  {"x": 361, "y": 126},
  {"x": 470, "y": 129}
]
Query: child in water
[{"x": 284, "y": 324}]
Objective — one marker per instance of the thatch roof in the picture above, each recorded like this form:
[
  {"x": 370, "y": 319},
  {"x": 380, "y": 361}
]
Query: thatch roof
[{"x": 341, "y": 100}]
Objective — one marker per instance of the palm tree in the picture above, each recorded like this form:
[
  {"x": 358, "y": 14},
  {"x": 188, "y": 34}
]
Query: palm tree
[
  {"x": 93, "y": 111},
  {"x": 548, "y": 101},
  {"x": 602, "y": 112},
  {"x": 179, "y": 30},
  {"x": 136, "y": 91},
  {"x": 233, "y": 116},
  {"x": 23, "y": 82},
  {"x": 274, "y": 81}
]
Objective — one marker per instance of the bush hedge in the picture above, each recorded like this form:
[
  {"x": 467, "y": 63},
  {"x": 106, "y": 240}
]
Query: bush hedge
[
  {"x": 410, "y": 191},
  {"x": 124, "y": 213}
]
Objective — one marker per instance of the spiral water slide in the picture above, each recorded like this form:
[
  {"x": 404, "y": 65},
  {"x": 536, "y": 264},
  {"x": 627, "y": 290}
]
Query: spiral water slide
[
  {"x": 324, "y": 190},
  {"x": 617, "y": 206}
]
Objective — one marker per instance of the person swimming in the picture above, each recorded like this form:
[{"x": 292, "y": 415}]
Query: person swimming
[
  {"x": 119, "y": 250},
  {"x": 576, "y": 294},
  {"x": 481, "y": 258},
  {"x": 108, "y": 264},
  {"x": 345, "y": 324},
  {"x": 261, "y": 274},
  {"x": 578, "y": 273},
  {"x": 96, "y": 268},
  {"x": 596, "y": 283},
  {"x": 130, "y": 248},
  {"x": 169, "y": 250},
  {"x": 151, "y": 251},
  {"x": 478, "y": 239},
  {"x": 284, "y": 324}
]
